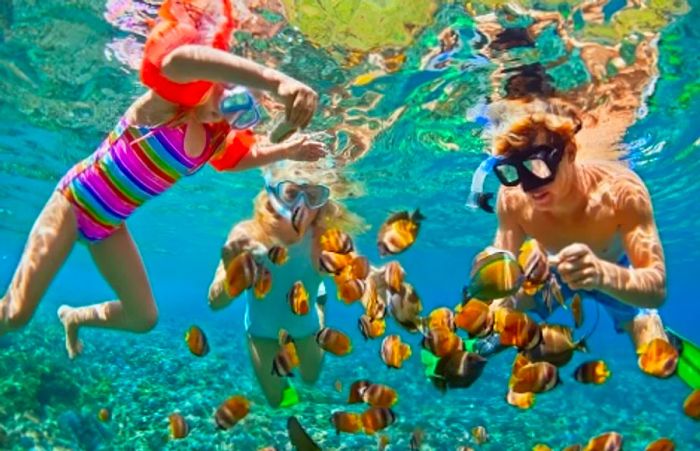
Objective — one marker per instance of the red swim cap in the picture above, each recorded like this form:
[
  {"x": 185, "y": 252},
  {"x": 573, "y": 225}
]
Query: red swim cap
[{"x": 181, "y": 22}]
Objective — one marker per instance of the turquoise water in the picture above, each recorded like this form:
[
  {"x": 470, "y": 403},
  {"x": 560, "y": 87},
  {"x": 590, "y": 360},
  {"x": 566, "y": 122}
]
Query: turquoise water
[{"x": 61, "y": 91}]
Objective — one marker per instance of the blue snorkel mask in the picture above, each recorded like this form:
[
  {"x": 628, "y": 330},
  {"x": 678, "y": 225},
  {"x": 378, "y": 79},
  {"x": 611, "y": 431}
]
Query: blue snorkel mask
[
  {"x": 239, "y": 108},
  {"x": 288, "y": 197}
]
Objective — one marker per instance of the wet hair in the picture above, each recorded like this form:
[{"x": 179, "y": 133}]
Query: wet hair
[{"x": 518, "y": 123}]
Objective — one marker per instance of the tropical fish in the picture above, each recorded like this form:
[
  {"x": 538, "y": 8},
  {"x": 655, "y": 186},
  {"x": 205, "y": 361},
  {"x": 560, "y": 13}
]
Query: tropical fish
[
  {"x": 346, "y": 422},
  {"x": 440, "y": 318},
  {"x": 393, "y": 352},
  {"x": 475, "y": 317},
  {"x": 592, "y": 372},
  {"x": 394, "y": 276},
  {"x": 360, "y": 267},
  {"x": 399, "y": 232},
  {"x": 495, "y": 274},
  {"x": 241, "y": 273},
  {"x": 356, "y": 390},
  {"x": 480, "y": 435},
  {"x": 535, "y": 378},
  {"x": 441, "y": 342},
  {"x": 458, "y": 370},
  {"x": 333, "y": 341},
  {"x": 691, "y": 406},
  {"x": 197, "y": 341},
  {"x": 104, "y": 414},
  {"x": 556, "y": 345},
  {"x": 335, "y": 240},
  {"x": 371, "y": 328},
  {"x": 516, "y": 329},
  {"x": 551, "y": 293},
  {"x": 299, "y": 438},
  {"x": 416, "y": 439},
  {"x": 233, "y": 410},
  {"x": 535, "y": 277},
  {"x": 577, "y": 310},
  {"x": 333, "y": 262},
  {"x": 286, "y": 358},
  {"x": 610, "y": 441},
  {"x": 178, "y": 426},
  {"x": 374, "y": 306},
  {"x": 378, "y": 395},
  {"x": 298, "y": 299},
  {"x": 406, "y": 307},
  {"x": 338, "y": 385},
  {"x": 278, "y": 255},
  {"x": 662, "y": 444},
  {"x": 658, "y": 358},
  {"x": 351, "y": 291},
  {"x": 377, "y": 418},
  {"x": 263, "y": 284},
  {"x": 520, "y": 400}
]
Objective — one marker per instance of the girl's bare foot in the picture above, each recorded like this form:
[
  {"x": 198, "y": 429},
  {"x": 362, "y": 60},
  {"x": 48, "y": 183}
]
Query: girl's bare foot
[{"x": 73, "y": 345}]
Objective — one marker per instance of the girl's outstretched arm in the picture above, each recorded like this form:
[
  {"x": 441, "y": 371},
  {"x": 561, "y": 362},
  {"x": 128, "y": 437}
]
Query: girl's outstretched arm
[
  {"x": 198, "y": 62},
  {"x": 299, "y": 149}
]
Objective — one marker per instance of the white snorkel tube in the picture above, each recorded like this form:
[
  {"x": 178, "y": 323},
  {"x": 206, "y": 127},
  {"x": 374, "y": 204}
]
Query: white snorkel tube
[{"x": 478, "y": 199}]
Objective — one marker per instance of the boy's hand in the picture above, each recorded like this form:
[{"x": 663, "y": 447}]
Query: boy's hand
[
  {"x": 579, "y": 267},
  {"x": 300, "y": 101},
  {"x": 305, "y": 149}
]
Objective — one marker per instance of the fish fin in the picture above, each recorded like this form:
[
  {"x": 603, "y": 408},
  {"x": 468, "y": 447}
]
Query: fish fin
[
  {"x": 582, "y": 346},
  {"x": 417, "y": 216}
]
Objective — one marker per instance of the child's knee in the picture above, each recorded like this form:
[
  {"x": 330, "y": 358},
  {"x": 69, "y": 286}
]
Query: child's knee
[
  {"x": 13, "y": 318},
  {"x": 147, "y": 320}
]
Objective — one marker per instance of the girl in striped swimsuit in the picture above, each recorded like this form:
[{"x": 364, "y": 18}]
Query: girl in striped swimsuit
[{"x": 171, "y": 131}]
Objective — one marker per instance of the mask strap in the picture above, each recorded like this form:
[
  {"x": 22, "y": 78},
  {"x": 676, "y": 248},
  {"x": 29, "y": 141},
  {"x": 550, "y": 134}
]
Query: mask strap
[{"x": 477, "y": 197}]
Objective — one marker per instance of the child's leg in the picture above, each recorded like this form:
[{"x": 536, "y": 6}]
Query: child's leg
[
  {"x": 645, "y": 328},
  {"x": 310, "y": 358},
  {"x": 217, "y": 290},
  {"x": 52, "y": 237},
  {"x": 118, "y": 259},
  {"x": 262, "y": 354}
]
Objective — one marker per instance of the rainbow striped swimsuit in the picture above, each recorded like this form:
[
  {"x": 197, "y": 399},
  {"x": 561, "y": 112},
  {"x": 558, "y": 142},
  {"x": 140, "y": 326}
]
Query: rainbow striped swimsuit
[{"x": 131, "y": 166}]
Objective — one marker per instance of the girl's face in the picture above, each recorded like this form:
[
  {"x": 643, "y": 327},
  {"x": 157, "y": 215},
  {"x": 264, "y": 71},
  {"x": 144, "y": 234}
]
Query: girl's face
[
  {"x": 208, "y": 111},
  {"x": 296, "y": 204}
]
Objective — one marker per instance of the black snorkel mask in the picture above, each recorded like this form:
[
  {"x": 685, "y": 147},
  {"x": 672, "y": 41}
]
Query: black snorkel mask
[{"x": 530, "y": 168}]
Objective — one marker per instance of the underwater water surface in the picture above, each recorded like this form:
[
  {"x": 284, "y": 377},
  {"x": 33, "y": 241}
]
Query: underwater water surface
[{"x": 63, "y": 84}]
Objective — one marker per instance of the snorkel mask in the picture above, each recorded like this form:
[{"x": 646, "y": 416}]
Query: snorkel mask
[
  {"x": 531, "y": 168},
  {"x": 289, "y": 198},
  {"x": 239, "y": 108}
]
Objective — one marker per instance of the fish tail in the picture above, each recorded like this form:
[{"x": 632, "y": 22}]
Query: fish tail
[{"x": 582, "y": 346}]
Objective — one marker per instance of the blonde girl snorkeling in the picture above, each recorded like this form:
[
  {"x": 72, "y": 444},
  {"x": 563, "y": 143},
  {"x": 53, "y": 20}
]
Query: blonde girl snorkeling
[
  {"x": 293, "y": 211},
  {"x": 191, "y": 115}
]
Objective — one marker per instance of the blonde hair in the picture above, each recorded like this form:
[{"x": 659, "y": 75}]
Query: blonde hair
[{"x": 516, "y": 124}]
